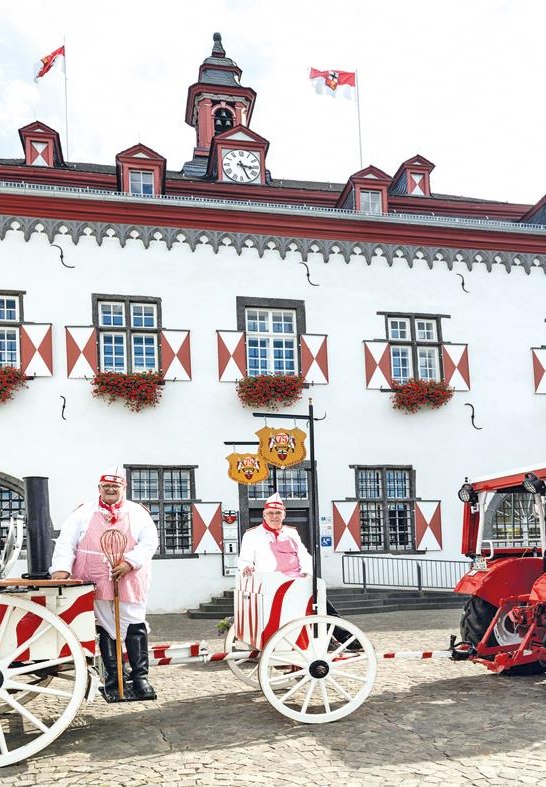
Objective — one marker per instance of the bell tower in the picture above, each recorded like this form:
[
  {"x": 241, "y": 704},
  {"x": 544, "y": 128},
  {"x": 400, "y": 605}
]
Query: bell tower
[{"x": 216, "y": 103}]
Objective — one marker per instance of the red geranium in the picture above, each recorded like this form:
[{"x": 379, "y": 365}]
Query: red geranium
[
  {"x": 10, "y": 380},
  {"x": 414, "y": 394},
  {"x": 139, "y": 390},
  {"x": 270, "y": 390}
]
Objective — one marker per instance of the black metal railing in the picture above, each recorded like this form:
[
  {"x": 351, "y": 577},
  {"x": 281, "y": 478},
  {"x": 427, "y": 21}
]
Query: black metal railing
[{"x": 372, "y": 571}]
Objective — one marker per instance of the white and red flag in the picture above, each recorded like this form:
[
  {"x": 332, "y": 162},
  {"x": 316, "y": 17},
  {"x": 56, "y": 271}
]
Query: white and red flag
[
  {"x": 336, "y": 84},
  {"x": 46, "y": 63}
]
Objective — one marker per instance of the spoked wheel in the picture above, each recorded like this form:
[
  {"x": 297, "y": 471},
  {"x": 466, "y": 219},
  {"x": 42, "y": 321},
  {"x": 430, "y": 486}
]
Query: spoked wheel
[
  {"x": 57, "y": 681},
  {"x": 328, "y": 680},
  {"x": 247, "y": 669}
]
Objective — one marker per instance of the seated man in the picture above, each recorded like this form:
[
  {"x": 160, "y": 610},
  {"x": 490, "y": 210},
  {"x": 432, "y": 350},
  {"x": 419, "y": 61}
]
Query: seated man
[{"x": 274, "y": 546}]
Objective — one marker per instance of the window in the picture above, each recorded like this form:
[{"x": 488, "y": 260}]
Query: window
[
  {"x": 10, "y": 323},
  {"x": 271, "y": 342},
  {"x": 291, "y": 484},
  {"x": 12, "y": 504},
  {"x": 415, "y": 347},
  {"x": 386, "y": 508},
  {"x": 370, "y": 203},
  {"x": 141, "y": 182},
  {"x": 511, "y": 520},
  {"x": 128, "y": 333},
  {"x": 167, "y": 492}
]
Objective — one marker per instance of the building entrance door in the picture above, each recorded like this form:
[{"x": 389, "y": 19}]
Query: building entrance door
[{"x": 295, "y": 517}]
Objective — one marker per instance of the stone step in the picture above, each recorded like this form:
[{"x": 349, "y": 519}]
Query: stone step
[{"x": 369, "y": 609}]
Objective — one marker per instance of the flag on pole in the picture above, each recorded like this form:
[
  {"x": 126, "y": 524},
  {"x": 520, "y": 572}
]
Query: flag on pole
[
  {"x": 336, "y": 84},
  {"x": 46, "y": 63}
]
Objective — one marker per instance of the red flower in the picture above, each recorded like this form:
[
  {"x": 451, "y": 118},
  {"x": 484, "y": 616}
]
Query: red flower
[
  {"x": 270, "y": 390},
  {"x": 414, "y": 394},
  {"x": 11, "y": 380},
  {"x": 141, "y": 389}
]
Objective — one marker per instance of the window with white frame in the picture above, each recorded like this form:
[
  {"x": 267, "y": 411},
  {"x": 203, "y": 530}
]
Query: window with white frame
[
  {"x": 141, "y": 182},
  {"x": 415, "y": 347},
  {"x": 291, "y": 484},
  {"x": 386, "y": 497},
  {"x": 128, "y": 333},
  {"x": 10, "y": 324},
  {"x": 167, "y": 492},
  {"x": 371, "y": 202},
  {"x": 271, "y": 341}
]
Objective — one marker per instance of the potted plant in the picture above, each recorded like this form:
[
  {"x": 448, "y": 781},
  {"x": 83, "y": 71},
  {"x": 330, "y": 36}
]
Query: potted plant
[
  {"x": 270, "y": 390},
  {"x": 416, "y": 394},
  {"x": 138, "y": 390},
  {"x": 11, "y": 379}
]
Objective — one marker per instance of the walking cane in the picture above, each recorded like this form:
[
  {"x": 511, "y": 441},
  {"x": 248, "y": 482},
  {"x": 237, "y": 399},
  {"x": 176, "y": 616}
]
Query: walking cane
[{"x": 113, "y": 543}]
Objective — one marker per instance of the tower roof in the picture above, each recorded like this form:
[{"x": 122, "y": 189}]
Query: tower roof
[{"x": 219, "y": 69}]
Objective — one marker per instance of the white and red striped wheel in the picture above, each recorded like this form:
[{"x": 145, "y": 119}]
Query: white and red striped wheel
[
  {"x": 244, "y": 669},
  {"x": 24, "y": 732},
  {"x": 327, "y": 680}
]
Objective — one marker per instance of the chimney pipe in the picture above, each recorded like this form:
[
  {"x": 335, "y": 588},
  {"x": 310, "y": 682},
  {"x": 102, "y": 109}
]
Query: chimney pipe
[{"x": 39, "y": 527}]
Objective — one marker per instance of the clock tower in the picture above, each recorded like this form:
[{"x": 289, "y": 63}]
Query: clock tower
[{"x": 216, "y": 103}]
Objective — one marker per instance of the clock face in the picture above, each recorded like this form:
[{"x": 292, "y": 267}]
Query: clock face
[{"x": 241, "y": 166}]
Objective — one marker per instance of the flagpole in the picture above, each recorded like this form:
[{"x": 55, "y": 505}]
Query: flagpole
[
  {"x": 358, "y": 115},
  {"x": 66, "y": 103}
]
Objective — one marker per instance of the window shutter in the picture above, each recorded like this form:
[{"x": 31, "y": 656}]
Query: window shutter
[
  {"x": 456, "y": 370},
  {"x": 539, "y": 369},
  {"x": 81, "y": 352},
  {"x": 175, "y": 355},
  {"x": 428, "y": 525},
  {"x": 206, "y": 527},
  {"x": 231, "y": 356},
  {"x": 314, "y": 358},
  {"x": 377, "y": 361},
  {"x": 36, "y": 350},
  {"x": 346, "y": 526}
]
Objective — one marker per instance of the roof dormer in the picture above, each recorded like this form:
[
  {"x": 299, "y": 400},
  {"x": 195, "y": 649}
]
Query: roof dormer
[
  {"x": 141, "y": 171},
  {"x": 413, "y": 178},
  {"x": 41, "y": 145},
  {"x": 366, "y": 192}
]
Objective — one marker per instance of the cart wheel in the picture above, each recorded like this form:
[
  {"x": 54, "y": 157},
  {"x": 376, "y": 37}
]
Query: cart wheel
[
  {"x": 24, "y": 732},
  {"x": 328, "y": 680},
  {"x": 247, "y": 669}
]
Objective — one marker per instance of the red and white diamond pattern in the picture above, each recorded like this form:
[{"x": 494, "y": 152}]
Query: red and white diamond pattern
[
  {"x": 539, "y": 369},
  {"x": 346, "y": 526},
  {"x": 36, "y": 350},
  {"x": 81, "y": 352},
  {"x": 231, "y": 356},
  {"x": 456, "y": 369},
  {"x": 314, "y": 358},
  {"x": 175, "y": 355},
  {"x": 428, "y": 525},
  {"x": 206, "y": 528},
  {"x": 377, "y": 361},
  {"x": 416, "y": 184},
  {"x": 40, "y": 153}
]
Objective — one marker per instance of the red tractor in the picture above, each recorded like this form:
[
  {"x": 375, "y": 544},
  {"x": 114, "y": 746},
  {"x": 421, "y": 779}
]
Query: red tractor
[{"x": 503, "y": 625}]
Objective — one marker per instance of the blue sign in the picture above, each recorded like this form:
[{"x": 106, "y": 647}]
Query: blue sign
[{"x": 326, "y": 541}]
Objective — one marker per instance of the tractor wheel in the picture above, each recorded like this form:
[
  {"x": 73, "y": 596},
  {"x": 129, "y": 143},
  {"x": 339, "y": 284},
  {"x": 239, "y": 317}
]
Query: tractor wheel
[{"x": 475, "y": 620}]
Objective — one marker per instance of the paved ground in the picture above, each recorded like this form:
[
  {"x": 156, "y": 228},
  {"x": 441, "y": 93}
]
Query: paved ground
[{"x": 425, "y": 723}]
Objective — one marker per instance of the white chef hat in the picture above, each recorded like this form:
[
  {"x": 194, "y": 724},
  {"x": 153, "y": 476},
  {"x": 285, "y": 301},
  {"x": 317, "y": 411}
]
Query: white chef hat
[
  {"x": 114, "y": 475},
  {"x": 275, "y": 502}
]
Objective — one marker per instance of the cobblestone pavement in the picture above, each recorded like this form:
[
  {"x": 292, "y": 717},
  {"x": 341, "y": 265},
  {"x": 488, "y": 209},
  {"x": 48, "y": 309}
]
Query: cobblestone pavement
[{"x": 424, "y": 723}]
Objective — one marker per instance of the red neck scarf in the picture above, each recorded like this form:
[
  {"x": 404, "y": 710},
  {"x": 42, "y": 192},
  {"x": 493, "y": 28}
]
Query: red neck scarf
[
  {"x": 110, "y": 512},
  {"x": 271, "y": 530}
]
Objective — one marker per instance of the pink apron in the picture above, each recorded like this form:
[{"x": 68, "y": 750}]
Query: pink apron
[
  {"x": 91, "y": 564},
  {"x": 286, "y": 555}
]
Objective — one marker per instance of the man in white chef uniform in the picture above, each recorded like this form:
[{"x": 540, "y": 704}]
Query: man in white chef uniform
[
  {"x": 78, "y": 554},
  {"x": 273, "y": 546}
]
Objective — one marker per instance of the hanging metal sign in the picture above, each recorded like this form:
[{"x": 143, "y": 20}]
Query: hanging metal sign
[
  {"x": 282, "y": 447},
  {"x": 247, "y": 468}
]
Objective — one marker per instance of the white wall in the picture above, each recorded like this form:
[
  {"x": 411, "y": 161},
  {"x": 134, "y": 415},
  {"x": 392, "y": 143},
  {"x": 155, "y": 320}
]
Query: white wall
[{"x": 501, "y": 317}]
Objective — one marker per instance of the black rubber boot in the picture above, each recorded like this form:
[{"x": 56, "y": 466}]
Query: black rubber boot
[
  {"x": 107, "y": 647},
  {"x": 340, "y": 634},
  {"x": 137, "y": 650}
]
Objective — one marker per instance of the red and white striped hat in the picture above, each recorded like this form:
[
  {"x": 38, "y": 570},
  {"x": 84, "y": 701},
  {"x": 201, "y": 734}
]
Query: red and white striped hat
[
  {"x": 115, "y": 475},
  {"x": 275, "y": 502}
]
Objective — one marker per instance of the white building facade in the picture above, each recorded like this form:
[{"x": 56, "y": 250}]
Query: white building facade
[{"x": 207, "y": 278}]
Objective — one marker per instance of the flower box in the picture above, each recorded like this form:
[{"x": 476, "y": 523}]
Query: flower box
[
  {"x": 138, "y": 390},
  {"x": 11, "y": 379},
  {"x": 270, "y": 390},
  {"x": 416, "y": 394}
]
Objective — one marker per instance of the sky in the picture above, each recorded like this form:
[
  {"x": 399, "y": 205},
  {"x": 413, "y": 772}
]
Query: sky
[{"x": 457, "y": 81}]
